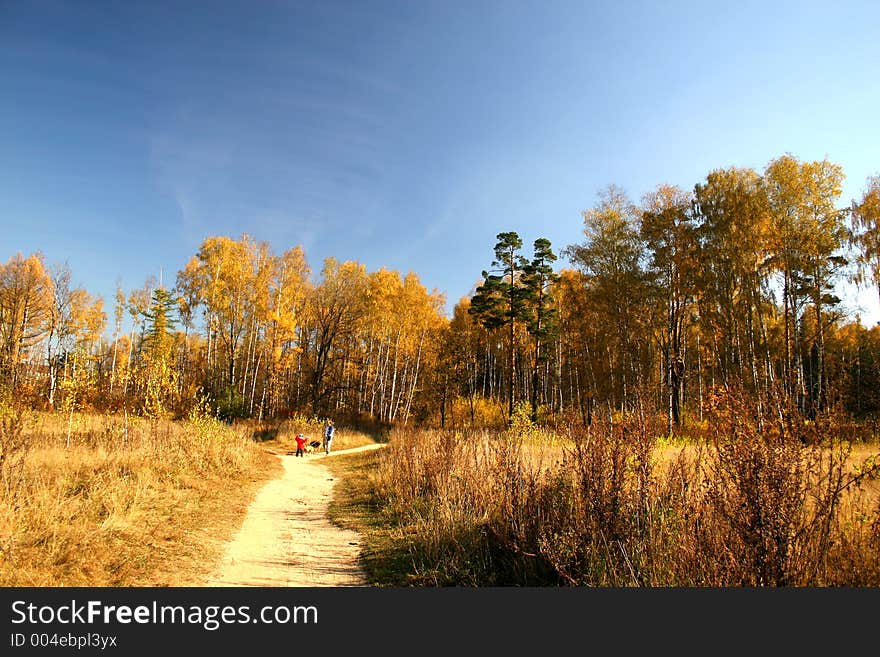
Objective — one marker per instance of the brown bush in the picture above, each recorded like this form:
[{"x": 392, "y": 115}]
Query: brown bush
[{"x": 764, "y": 498}]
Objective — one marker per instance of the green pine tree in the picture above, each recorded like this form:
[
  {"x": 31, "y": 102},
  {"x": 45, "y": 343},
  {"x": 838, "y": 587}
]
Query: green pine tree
[
  {"x": 538, "y": 279},
  {"x": 514, "y": 292},
  {"x": 158, "y": 345}
]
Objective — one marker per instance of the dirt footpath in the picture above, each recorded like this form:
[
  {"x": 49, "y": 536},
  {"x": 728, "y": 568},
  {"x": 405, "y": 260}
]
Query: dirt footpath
[{"x": 287, "y": 539}]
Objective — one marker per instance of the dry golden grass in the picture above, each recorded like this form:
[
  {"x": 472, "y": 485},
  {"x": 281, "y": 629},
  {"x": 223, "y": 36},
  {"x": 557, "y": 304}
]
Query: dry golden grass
[
  {"x": 615, "y": 506},
  {"x": 136, "y": 503}
]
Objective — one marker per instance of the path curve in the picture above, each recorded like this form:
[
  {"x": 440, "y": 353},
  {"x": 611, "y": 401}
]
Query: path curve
[{"x": 287, "y": 538}]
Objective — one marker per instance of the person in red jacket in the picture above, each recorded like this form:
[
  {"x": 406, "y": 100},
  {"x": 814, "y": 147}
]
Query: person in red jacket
[{"x": 300, "y": 444}]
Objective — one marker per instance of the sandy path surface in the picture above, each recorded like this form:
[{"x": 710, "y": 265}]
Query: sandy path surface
[{"x": 287, "y": 539}]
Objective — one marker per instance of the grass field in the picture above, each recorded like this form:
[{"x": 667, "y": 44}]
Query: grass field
[
  {"x": 121, "y": 503},
  {"x": 101, "y": 500},
  {"x": 98, "y": 500},
  {"x": 612, "y": 509}
]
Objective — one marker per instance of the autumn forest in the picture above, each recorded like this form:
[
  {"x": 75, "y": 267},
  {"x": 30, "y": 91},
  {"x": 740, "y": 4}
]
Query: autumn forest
[
  {"x": 730, "y": 284},
  {"x": 689, "y": 403}
]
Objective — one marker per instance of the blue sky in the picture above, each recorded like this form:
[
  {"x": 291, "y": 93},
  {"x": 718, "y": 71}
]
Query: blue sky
[{"x": 401, "y": 134}]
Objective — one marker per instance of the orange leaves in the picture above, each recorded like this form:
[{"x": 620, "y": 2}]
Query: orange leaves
[
  {"x": 26, "y": 301},
  {"x": 866, "y": 228},
  {"x": 806, "y": 223}
]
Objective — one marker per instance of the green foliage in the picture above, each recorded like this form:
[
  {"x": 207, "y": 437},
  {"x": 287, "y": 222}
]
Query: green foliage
[
  {"x": 231, "y": 406},
  {"x": 538, "y": 280},
  {"x": 500, "y": 300},
  {"x": 160, "y": 320},
  {"x": 519, "y": 292}
]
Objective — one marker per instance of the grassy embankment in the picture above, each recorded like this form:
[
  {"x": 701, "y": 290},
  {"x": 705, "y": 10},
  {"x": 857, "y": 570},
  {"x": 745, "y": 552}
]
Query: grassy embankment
[
  {"x": 738, "y": 504},
  {"x": 116, "y": 503}
]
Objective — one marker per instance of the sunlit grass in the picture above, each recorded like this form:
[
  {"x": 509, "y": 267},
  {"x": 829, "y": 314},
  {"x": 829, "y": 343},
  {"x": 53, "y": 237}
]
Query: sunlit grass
[
  {"x": 617, "y": 506},
  {"x": 123, "y": 502}
]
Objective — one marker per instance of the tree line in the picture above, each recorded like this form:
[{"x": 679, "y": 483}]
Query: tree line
[
  {"x": 730, "y": 284},
  {"x": 243, "y": 329}
]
